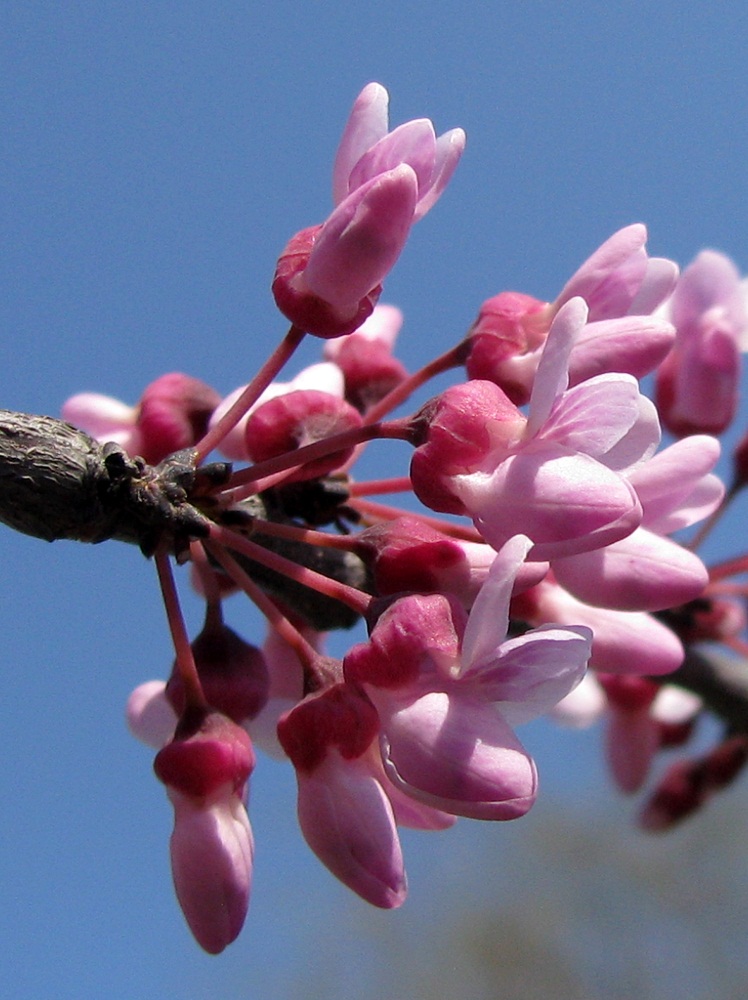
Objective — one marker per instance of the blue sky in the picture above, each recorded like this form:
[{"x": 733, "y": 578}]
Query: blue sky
[{"x": 156, "y": 158}]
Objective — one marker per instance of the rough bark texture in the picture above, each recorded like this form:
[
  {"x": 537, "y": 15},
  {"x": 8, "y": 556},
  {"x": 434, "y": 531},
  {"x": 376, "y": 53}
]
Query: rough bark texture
[{"x": 53, "y": 481}]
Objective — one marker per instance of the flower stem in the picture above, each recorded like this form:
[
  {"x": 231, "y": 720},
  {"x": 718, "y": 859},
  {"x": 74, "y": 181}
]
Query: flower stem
[
  {"x": 350, "y": 596},
  {"x": 286, "y": 629},
  {"x": 452, "y": 358},
  {"x": 193, "y": 690},
  {"x": 259, "y": 383},
  {"x": 257, "y": 477}
]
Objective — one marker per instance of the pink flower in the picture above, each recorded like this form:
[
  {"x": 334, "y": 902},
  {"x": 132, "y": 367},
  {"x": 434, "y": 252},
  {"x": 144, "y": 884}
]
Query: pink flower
[
  {"x": 206, "y": 768},
  {"x": 343, "y": 808},
  {"x": 324, "y": 377},
  {"x": 172, "y": 414},
  {"x": 329, "y": 277},
  {"x": 697, "y": 385},
  {"x": 621, "y": 286},
  {"x": 367, "y": 149},
  {"x": 448, "y": 689},
  {"x": 555, "y": 475}
]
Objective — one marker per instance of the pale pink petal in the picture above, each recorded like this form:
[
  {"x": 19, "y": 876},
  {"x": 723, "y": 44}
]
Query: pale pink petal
[
  {"x": 347, "y": 820},
  {"x": 383, "y": 326},
  {"x": 212, "y": 850},
  {"x": 610, "y": 279},
  {"x": 234, "y": 444},
  {"x": 413, "y": 142},
  {"x": 150, "y": 715},
  {"x": 104, "y": 418},
  {"x": 583, "y": 706},
  {"x": 552, "y": 378},
  {"x": 361, "y": 240},
  {"x": 97, "y": 414},
  {"x": 608, "y": 419},
  {"x": 366, "y": 125},
  {"x": 624, "y": 642},
  {"x": 459, "y": 756},
  {"x": 324, "y": 377},
  {"x": 531, "y": 673},
  {"x": 675, "y": 487},
  {"x": 659, "y": 281},
  {"x": 635, "y": 345},
  {"x": 711, "y": 280},
  {"x": 449, "y": 148},
  {"x": 643, "y": 572},
  {"x": 567, "y": 503},
  {"x": 674, "y": 705},
  {"x": 489, "y": 618},
  {"x": 415, "y": 815}
]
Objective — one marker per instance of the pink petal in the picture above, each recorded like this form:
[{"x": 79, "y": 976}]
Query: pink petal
[
  {"x": 150, "y": 715},
  {"x": 552, "y": 376},
  {"x": 104, "y": 418},
  {"x": 640, "y": 573},
  {"x": 610, "y": 279},
  {"x": 675, "y": 487},
  {"x": 567, "y": 503},
  {"x": 489, "y": 617},
  {"x": 583, "y": 706},
  {"x": 460, "y": 756},
  {"x": 711, "y": 280},
  {"x": 608, "y": 419},
  {"x": 659, "y": 281},
  {"x": 360, "y": 242},
  {"x": 366, "y": 125},
  {"x": 413, "y": 142},
  {"x": 212, "y": 850},
  {"x": 449, "y": 149},
  {"x": 635, "y": 345},
  {"x": 347, "y": 820},
  {"x": 624, "y": 642},
  {"x": 530, "y": 674}
]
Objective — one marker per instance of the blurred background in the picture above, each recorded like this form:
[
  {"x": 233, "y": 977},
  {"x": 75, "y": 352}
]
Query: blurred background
[{"x": 155, "y": 159}]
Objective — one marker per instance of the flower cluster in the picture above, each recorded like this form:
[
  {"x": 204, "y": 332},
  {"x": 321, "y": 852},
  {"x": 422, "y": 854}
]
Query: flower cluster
[{"x": 543, "y": 569}]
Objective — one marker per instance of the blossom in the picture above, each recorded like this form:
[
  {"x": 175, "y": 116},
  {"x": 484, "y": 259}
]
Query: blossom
[
  {"x": 172, "y": 414},
  {"x": 343, "y": 808},
  {"x": 621, "y": 286},
  {"x": 329, "y": 277},
  {"x": 557, "y": 474},
  {"x": 206, "y": 768},
  {"x": 449, "y": 687},
  {"x": 325, "y": 376},
  {"x": 697, "y": 385}
]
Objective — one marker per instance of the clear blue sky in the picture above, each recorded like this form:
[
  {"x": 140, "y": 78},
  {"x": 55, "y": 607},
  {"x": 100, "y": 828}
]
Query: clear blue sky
[{"x": 156, "y": 157}]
